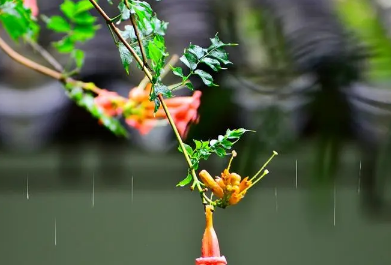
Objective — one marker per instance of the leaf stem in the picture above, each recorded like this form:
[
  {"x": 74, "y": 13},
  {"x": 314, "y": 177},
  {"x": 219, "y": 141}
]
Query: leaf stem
[
  {"x": 116, "y": 31},
  {"x": 160, "y": 97},
  {"x": 47, "y": 56},
  {"x": 139, "y": 41},
  {"x": 181, "y": 144},
  {"x": 43, "y": 69}
]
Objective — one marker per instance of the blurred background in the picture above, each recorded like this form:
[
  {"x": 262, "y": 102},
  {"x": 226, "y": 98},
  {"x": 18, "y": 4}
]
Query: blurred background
[{"x": 312, "y": 77}]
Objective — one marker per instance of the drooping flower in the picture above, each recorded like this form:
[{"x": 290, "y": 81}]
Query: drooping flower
[
  {"x": 32, "y": 4},
  {"x": 184, "y": 111},
  {"x": 230, "y": 188},
  {"x": 110, "y": 102},
  {"x": 210, "y": 249}
]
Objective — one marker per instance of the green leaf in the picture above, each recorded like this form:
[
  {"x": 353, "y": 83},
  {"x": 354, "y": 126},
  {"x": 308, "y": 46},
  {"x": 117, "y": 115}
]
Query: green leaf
[
  {"x": 212, "y": 63},
  {"x": 197, "y": 51},
  {"x": 190, "y": 86},
  {"x": 220, "y": 55},
  {"x": 58, "y": 24},
  {"x": 198, "y": 144},
  {"x": 220, "y": 151},
  {"x": 162, "y": 89},
  {"x": 213, "y": 142},
  {"x": 190, "y": 60},
  {"x": 68, "y": 8},
  {"x": 206, "y": 78},
  {"x": 185, "y": 181},
  {"x": 65, "y": 45},
  {"x": 9, "y": 8},
  {"x": 83, "y": 6},
  {"x": 126, "y": 56},
  {"x": 226, "y": 144},
  {"x": 216, "y": 43},
  {"x": 154, "y": 51},
  {"x": 87, "y": 101},
  {"x": 78, "y": 55},
  {"x": 129, "y": 33},
  {"x": 235, "y": 134},
  {"x": 125, "y": 12},
  {"x": 188, "y": 148},
  {"x": 177, "y": 71},
  {"x": 17, "y": 20},
  {"x": 83, "y": 33},
  {"x": 84, "y": 18}
]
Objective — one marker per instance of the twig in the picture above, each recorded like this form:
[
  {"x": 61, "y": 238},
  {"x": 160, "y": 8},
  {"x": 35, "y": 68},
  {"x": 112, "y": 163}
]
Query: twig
[
  {"x": 140, "y": 44},
  {"x": 116, "y": 31},
  {"x": 27, "y": 62},
  {"x": 160, "y": 97},
  {"x": 174, "y": 59},
  {"x": 43, "y": 69},
  {"x": 47, "y": 56}
]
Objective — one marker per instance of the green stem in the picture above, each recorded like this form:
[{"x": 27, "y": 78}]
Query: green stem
[
  {"x": 181, "y": 144},
  {"x": 162, "y": 102}
]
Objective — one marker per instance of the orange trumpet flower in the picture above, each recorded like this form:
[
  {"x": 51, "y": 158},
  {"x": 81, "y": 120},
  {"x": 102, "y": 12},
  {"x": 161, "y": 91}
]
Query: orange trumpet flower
[
  {"x": 230, "y": 188},
  {"x": 184, "y": 111},
  {"x": 210, "y": 249}
]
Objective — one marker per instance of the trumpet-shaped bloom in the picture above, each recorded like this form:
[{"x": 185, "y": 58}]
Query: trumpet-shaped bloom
[
  {"x": 230, "y": 188},
  {"x": 210, "y": 249},
  {"x": 184, "y": 111},
  {"x": 138, "y": 110},
  {"x": 109, "y": 102}
]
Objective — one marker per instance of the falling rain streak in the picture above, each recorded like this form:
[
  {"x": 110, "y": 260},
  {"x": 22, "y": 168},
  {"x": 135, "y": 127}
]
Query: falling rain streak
[
  {"x": 296, "y": 174},
  {"x": 335, "y": 201},
  {"x": 131, "y": 193},
  {"x": 27, "y": 188},
  {"x": 275, "y": 194},
  {"x": 93, "y": 190},
  {"x": 359, "y": 180},
  {"x": 55, "y": 232}
]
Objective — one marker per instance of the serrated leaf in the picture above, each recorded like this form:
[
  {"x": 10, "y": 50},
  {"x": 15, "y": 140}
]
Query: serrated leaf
[
  {"x": 129, "y": 33},
  {"x": 206, "y": 78},
  {"x": 9, "y": 8},
  {"x": 83, "y": 6},
  {"x": 220, "y": 151},
  {"x": 213, "y": 142},
  {"x": 68, "y": 8},
  {"x": 216, "y": 43},
  {"x": 185, "y": 181},
  {"x": 154, "y": 52},
  {"x": 65, "y": 45},
  {"x": 190, "y": 86},
  {"x": 190, "y": 60},
  {"x": 126, "y": 56},
  {"x": 177, "y": 71},
  {"x": 226, "y": 144},
  {"x": 235, "y": 134},
  {"x": 17, "y": 20},
  {"x": 188, "y": 149},
  {"x": 125, "y": 12},
  {"x": 220, "y": 55},
  {"x": 197, "y": 51},
  {"x": 212, "y": 63},
  {"x": 84, "y": 18},
  {"x": 83, "y": 33},
  {"x": 198, "y": 144},
  {"x": 58, "y": 24}
]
